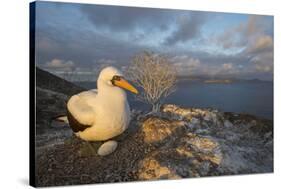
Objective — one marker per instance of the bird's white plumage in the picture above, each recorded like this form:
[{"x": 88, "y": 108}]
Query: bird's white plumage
[
  {"x": 80, "y": 106},
  {"x": 105, "y": 109}
]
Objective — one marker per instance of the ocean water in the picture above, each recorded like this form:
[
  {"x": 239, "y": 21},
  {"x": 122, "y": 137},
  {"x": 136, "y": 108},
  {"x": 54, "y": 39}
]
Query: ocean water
[{"x": 254, "y": 98}]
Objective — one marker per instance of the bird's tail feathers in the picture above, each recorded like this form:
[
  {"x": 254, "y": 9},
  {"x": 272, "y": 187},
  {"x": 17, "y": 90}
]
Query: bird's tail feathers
[{"x": 61, "y": 118}]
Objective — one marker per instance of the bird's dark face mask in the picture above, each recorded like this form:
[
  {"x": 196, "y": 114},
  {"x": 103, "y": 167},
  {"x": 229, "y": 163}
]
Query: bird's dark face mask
[{"x": 119, "y": 81}]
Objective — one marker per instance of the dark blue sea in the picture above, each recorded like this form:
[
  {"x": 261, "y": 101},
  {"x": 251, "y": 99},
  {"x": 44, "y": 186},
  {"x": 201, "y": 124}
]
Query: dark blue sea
[{"x": 251, "y": 97}]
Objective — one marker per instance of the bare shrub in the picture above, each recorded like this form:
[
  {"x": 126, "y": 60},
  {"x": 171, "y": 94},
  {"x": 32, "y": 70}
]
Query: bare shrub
[{"x": 155, "y": 76}]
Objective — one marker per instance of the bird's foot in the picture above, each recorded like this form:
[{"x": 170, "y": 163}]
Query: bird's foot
[
  {"x": 71, "y": 140},
  {"x": 88, "y": 149}
]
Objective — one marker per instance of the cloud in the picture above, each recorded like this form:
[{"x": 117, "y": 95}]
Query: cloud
[
  {"x": 120, "y": 19},
  {"x": 255, "y": 39},
  {"x": 263, "y": 62},
  {"x": 59, "y": 64},
  {"x": 47, "y": 44},
  {"x": 106, "y": 61},
  {"x": 191, "y": 66},
  {"x": 229, "y": 39},
  {"x": 188, "y": 27},
  {"x": 141, "y": 24},
  {"x": 83, "y": 47},
  {"x": 244, "y": 33},
  {"x": 255, "y": 25},
  {"x": 227, "y": 66},
  {"x": 185, "y": 61},
  {"x": 261, "y": 53},
  {"x": 263, "y": 68},
  {"x": 186, "y": 64},
  {"x": 219, "y": 66},
  {"x": 260, "y": 44}
]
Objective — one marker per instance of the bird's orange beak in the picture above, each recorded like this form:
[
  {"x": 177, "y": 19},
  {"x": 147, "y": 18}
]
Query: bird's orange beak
[{"x": 125, "y": 85}]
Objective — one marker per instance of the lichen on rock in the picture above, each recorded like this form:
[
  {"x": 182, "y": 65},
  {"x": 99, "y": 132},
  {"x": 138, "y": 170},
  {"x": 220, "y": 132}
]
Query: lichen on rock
[
  {"x": 150, "y": 169},
  {"x": 156, "y": 129}
]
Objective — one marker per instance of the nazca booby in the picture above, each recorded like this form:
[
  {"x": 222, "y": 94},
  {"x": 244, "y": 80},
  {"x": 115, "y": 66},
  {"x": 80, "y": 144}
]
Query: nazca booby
[{"x": 102, "y": 113}]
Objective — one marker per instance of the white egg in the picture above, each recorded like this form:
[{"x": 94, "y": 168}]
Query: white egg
[{"x": 107, "y": 148}]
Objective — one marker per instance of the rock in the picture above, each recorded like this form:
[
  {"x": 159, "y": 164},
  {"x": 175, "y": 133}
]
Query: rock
[
  {"x": 209, "y": 150},
  {"x": 157, "y": 130},
  {"x": 194, "y": 122},
  {"x": 181, "y": 153},
  {"x": 150, "y": 169},
  {"x": 228, "y": 124},
  {"x": 208, "y": 117}
]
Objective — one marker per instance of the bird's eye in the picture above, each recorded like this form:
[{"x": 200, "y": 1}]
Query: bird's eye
[{"x": 116, "y": 78}]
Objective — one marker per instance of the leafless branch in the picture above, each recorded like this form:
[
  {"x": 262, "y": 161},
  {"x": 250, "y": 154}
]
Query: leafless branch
[{"x": 154, "y": 75}]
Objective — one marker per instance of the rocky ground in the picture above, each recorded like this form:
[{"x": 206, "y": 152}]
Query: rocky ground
[{"x": 176, "y": 143}]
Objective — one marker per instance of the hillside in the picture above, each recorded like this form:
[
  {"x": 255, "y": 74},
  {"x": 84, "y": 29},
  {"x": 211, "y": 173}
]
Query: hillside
[
  {"x": 51, "y": 82},
  {"x": 52, "y": 94}
]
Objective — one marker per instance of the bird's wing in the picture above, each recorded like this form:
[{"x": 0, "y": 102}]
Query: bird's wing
[{"x": 79, "y": 108}]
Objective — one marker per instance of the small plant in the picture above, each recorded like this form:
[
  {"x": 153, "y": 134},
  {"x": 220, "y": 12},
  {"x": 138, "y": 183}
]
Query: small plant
[{"x": 156, "y": 77}]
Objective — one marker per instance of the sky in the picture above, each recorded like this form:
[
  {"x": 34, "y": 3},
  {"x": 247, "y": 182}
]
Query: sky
[{"x": 84, "y": 38}]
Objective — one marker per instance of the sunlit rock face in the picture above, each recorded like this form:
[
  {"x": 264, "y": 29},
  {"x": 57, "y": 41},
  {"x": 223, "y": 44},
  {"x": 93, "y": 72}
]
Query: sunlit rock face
[
  {"x": 158, "y": 129},
  {"x": 150, "y": 169},
  {"x": 205, "y": 142},
  {"x": 189, "y": 155}
]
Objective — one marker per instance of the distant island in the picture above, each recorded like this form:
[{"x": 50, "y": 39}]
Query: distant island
[
  {"x": 222, "y": 80},
  {"x": 225, "y": 81}
]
